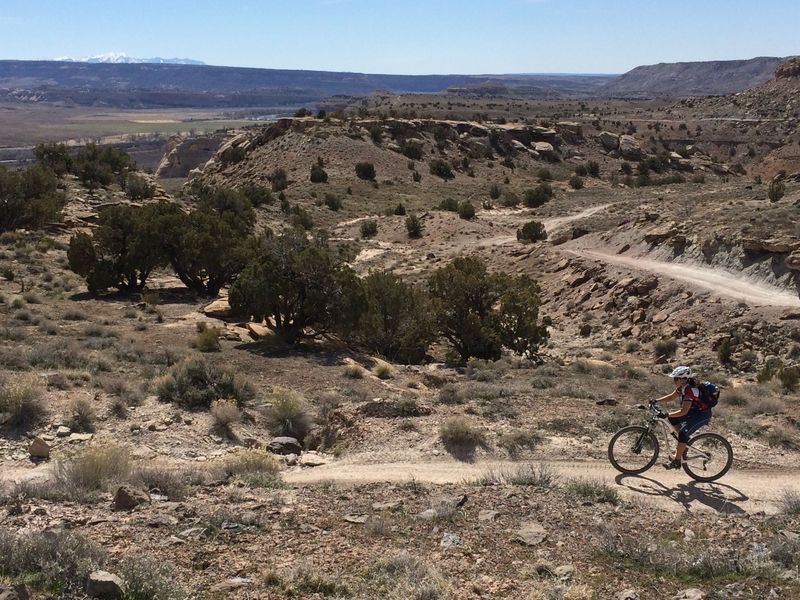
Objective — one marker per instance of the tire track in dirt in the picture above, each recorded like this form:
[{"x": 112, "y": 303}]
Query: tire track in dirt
[
  {"x": 739, "y": 491},
  {"x": 718, "y": 281}
]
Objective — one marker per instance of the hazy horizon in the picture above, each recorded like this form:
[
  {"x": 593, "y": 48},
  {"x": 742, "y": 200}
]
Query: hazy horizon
[{"x": 472, "y": 37}]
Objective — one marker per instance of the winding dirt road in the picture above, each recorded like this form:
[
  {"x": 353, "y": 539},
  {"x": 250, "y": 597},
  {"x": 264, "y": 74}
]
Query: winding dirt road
[
  {"x": 741, "y": 490},
  {"x": 717, "y": 281}
]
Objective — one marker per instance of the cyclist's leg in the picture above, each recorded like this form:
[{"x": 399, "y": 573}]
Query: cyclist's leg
[
  {"x": 678, "y": 423},
  {"x": 692, "y": 424}
]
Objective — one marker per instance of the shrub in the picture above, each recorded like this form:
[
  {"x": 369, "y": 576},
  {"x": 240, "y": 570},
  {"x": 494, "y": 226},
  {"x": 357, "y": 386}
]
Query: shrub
[
  {"x": 147, "y": 579},
  {"x": 451, "y": 394},
  {"x": 207, "y": 340},
  {"x": 354, "y": 372},
  {"x": 593, "y": 168},
  {"x": 318, "y": 174},
  {"x": 81, "y": 415},
  {"x": 255, "y": 467},
  {"x": 790, "y": 502},
  {"x": 592, "y": 491},
  {"x": 57, "y": 560},
  {"x": 287, "y": 414},
  {"x": 369, "y": 228},
  {"x": 478, "y": 312},
  {"x": 581, "y": 171},
  {"x": 537, "y": 196},
  {"x": 29, "y": 198},
  {"x": 449, "y": 204},
  {"x": 466, "y": 210},
  {"x": 544, "y": 175},
  {"x": 366, "y": 171},
  {"x": 90, "y": 471},
  {"x": 532, "y": 231},
  {"x": 21, "y": 399},
  {"x": 138, "y": 187},
  {"x": 194, "y": 383},
  {"x": 789, "y": 378},
  {"x": 225, "y": 413},
  {"x": 383, "y": 371},
  {"x": 301, "y": 286},
  {"x": 519, "y": 440},
  {"x": 575, "y": 182},
  {"x": 257, "y": 195},
  {"x": 441, "y": 168},
  {"x": 333, "y": 202},
  {"x": 725, "y": 351},
  {"x": 665, "y": 348},
  {"x": 457, "y": 431},
  {"x": 167, "y": 481},
  {"x": 777, "y": 189},
  {"x": 414, "y": 226},
  {"x": 301, "y": 219},
  {"x": 400, "y": 210},
  {"x": 494, "y": 191},
  {"x": 412, "y": 150},
  {"x": 406, "y": 577},
  {"x": 782, "y": 436},
  {"x": 279, "y": 180}
]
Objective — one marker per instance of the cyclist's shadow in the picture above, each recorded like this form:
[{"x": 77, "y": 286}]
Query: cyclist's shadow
[{"x": 717, "y": 496}]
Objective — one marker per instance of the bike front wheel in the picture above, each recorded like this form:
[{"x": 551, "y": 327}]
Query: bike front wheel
[
  {"x": 633, "y": 450},
  {"x": 708, "y": 457}
]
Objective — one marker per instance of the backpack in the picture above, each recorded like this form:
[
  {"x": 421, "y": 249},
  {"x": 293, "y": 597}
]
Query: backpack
[{"x": 709, "y": 394}]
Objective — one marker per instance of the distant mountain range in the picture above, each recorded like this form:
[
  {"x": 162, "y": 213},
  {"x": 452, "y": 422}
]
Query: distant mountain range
[
  {"x": 120, "y": 58},
  {"x": 681, "y": 79},
  {"x": 117, "y": 80}
]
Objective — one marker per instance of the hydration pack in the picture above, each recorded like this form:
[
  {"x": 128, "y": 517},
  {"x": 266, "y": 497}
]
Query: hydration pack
[{"x": 709, "y": 394}]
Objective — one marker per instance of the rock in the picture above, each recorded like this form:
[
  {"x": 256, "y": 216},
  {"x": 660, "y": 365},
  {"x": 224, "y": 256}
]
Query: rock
[
  {"x": 587, "y": 440},
  {"x": 285, "y": 446},
  {"x": 162, "y": 520},
  {"x": 428, "y": 515},
  {"x": 577, "y": 279},
  {"x": 545, "y": 149},
  {"x": 258, "y": 331},
  {"x": 450, "y": 539},
  {"x": 530, "y": 534},
  {"x": 104, "y": 585},
  {"x": 39, "y": 449},
  {"x": 792, "y": 262},
  {"x": 128, "y": 498},
  {"x": 565, "y": 572},
  {"x": 607, "y": 402},
  {"x": 661, "y": 317},
  {"x": 14, "y": 592},
  {"x": 661, "y": 234},
  {"x": 630, "y": 148},
  {"x": 585, "y": 330},
  {"x": 443, "y": 508},
  {"x": 690, "y": 594},
  {"x": 488, "y": 515},
  {"x": 63, "y": 431},
  {"x": 628, "y": 594},
  {"x": 80, "y": 437},
  {"x": 218, "y": 309},
  {"x": 610, "y": 141},
  {"x": 356, "y": 519},
  {"x": 312, "y": 459}
]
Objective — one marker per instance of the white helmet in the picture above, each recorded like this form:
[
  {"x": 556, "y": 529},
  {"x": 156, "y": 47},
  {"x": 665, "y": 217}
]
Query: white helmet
[{"x": 681, "y": 371}]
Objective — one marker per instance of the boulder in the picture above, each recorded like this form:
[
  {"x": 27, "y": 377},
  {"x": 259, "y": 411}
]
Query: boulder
[
  {"x": 610, "y": 141},
  {"x": 792, "y": 262},
  {"x": 104, "y": 585},
  {"x": 218, "y": 309},
  {"x": 545, "y": 150},
  {"x": 285, "y": 446},
  {"x": 630, "y": 148},
  {"x": 39, "y": 449},
  {"x": 530, "y": 534},
  {"x": 312, "y": 459},
  {"x": 258, "y": 331},
  {"x": 569, "y": 130},
  {"x": 128, "y": 498},
  {"x": 63, "y": 431}
]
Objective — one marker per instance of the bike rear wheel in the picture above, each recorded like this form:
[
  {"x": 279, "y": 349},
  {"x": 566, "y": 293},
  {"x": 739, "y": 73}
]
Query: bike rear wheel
[
  {"x": 633, "y": 450},
  {"x": 708, "y": 457}
]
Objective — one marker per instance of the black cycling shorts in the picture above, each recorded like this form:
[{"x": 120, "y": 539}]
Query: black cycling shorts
[{"x": 690, "y": 423}]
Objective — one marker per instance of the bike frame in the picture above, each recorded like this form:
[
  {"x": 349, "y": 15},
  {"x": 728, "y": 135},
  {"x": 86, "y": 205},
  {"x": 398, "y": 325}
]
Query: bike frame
[{"x": 668, "y": 433}]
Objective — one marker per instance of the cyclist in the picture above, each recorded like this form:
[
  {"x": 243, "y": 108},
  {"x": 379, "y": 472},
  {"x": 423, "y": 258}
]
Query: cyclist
[{"x": 691, "y": 416}]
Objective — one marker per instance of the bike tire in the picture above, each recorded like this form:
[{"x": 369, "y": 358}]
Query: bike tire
[
  {"x": 723, "y": 444},
  {"x": 626, "y": 430}
]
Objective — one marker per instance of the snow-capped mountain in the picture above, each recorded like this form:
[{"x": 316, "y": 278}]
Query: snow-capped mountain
[{"x": 122, "y": 58}]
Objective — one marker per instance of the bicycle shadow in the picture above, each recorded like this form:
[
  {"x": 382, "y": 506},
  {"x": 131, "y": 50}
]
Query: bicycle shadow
[{"x": 719, "y": 497}]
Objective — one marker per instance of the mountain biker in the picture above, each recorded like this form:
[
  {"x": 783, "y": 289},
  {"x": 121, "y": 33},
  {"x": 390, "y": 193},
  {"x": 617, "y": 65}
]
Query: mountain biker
[{"x": 691, "y": 416}]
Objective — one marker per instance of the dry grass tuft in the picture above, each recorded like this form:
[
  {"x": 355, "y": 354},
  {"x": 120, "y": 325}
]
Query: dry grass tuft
[{"x": 21, "y": 400}]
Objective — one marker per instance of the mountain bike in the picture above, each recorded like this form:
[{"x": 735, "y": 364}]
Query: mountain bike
[{"x": 634, "y": 449}]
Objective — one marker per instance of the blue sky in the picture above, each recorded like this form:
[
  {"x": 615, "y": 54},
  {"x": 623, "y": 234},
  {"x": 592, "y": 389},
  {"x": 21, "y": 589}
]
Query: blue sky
[{"x": 413, "y": 36}]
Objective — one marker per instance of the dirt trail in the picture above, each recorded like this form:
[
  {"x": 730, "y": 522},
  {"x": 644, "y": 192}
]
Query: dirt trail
[
  {"x": 738, "y": 492},
  {"x": 717, "y": 281},
  {"x": 557, "y": 223}
]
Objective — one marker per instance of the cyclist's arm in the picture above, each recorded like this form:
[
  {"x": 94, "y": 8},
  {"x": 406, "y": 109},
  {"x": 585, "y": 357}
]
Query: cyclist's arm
[
  {"x": 683, "y": 410},
  {"x": 668, "y": 397}
]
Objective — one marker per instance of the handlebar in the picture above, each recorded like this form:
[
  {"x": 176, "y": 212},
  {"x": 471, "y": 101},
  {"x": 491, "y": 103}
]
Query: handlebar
[{"x": 656, "y": 410}]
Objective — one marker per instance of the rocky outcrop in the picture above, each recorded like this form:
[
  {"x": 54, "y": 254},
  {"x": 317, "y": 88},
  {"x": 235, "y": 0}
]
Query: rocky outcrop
[
  {"x": 182, "y": 156},
  {"x": 610, "y": 141},
  {"x": 39, "y": 449},
  {"x": 629, "y": 148},
  {"x": 128, "y": 498},
  {"x": 789, "y": 70},
  {"x": 104, "y": 585}
]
